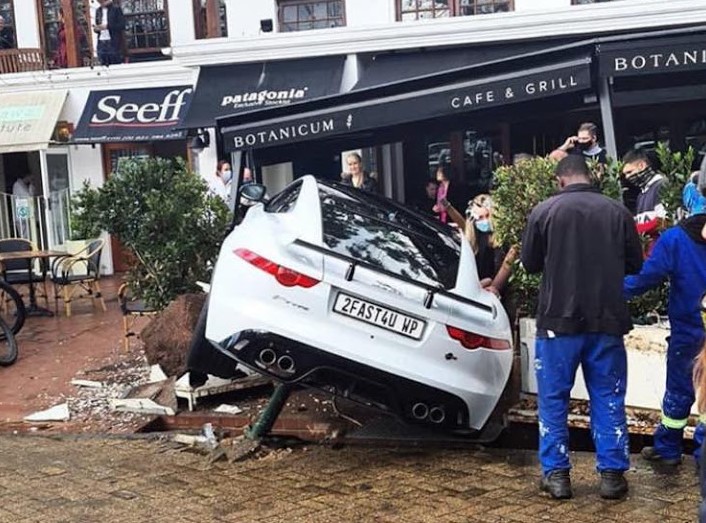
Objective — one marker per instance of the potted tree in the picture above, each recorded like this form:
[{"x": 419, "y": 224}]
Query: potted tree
[{"x": 84, "y": 220}]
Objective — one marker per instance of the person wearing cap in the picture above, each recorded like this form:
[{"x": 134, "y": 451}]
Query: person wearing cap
[{"x": 679, "y": 256}]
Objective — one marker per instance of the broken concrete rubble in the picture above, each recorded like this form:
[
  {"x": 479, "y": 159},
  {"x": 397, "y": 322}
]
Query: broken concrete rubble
[
  {"x": 140, "y": 406},
  {"x": 55, "y": 413}
]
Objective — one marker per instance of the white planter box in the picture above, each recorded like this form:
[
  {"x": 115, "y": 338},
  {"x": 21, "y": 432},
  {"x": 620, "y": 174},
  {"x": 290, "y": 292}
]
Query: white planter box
[{"x": 647, "y": 365}]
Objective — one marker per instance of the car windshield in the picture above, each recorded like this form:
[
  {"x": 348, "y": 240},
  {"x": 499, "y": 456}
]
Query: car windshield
[{"x": 379, "y": 232}]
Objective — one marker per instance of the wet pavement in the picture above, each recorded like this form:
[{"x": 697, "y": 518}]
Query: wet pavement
[{"x": 88, "y": 480}]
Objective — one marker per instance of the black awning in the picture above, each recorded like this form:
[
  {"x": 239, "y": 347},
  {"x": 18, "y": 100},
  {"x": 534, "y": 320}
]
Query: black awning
[
  {"x": 654, "y": 55},
  {"x": 265, "y": 130},
  {"x": 133, "y": 115},
  {"x": 394, "y": 67},
  {"x": 227, "y": 89}
]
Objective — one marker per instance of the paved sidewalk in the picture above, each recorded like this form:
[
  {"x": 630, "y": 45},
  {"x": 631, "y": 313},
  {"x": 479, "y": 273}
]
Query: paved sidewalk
[{"x": 90, "y": 480}]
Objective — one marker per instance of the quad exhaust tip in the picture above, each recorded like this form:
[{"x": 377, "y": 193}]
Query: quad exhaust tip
[
  {"x": 286, "y": 364},
  {"x": 268, "y": 356},
  {"x": 437, "y": 415},
  {"x": 420, "y": 411}
]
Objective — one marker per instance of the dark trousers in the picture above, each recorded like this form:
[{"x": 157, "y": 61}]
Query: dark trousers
[
  {"x": 604, "y": 363},
  {"x": 107, "y": 53}
]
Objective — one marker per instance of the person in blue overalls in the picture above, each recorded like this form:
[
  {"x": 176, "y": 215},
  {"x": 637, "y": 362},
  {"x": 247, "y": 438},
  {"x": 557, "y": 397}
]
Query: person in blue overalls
[
  {"x": 584, "y": 243},
  {"x": 679, "y": 255}
]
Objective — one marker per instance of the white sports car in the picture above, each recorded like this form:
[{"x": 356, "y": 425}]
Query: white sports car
[{"x": 331, "y": 287}]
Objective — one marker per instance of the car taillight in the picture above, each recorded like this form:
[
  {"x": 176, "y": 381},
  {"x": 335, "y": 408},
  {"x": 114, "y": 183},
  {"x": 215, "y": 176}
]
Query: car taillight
[
  {"x": 283, "y": 275},
  {"x": 471, "y": 340}
]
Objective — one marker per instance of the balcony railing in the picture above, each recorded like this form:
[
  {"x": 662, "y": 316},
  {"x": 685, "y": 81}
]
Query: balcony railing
[{"x": 21, "y": 60}]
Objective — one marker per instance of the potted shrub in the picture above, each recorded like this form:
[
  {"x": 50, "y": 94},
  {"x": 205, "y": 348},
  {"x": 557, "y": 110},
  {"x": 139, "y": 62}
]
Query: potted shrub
[
  {"x": 164, "y": 214},
  {"x": 84, "y": 221}
]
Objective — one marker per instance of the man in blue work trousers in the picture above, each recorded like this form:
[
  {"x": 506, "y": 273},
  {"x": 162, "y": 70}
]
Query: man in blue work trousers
[
  {"x": 584, "y": 243},
  {"x": 679, "y": 255}
]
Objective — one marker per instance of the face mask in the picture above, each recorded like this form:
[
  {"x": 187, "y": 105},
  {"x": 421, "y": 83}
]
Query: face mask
[
  {"x": 584, "y": 146},
  {"x": 483, "y": 225},
  {"x": 227, "y": 176},
  {"x": 641, "y": 178}
]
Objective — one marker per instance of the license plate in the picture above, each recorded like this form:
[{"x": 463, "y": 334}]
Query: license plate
[{"x": 374, "y": 314}]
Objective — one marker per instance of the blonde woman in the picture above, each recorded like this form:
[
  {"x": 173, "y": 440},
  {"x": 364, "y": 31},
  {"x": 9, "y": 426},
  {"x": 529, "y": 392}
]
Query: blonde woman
[
  {"x": 356, "y": 176},
  {"x": 493, "y": 263}
]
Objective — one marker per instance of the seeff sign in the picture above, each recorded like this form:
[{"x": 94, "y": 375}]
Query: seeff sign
[
  {"x": 652, "y": 60},
  {"x": 133, "y": 115},
  {"x": 415, "y": 106}
]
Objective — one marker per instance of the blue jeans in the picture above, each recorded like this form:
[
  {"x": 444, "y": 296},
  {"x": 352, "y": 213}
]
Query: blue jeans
[{"x": 604, "y": 362}]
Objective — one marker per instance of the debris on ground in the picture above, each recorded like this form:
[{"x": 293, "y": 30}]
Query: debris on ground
[
  {"x": 157, "y": 374},
  {"x": 215, "y": 386},
  {"x": 144, "y": 406},
  {"x": 87, "y": 383},
  {"x": 228, "y": 409},
  {"x": 55, "y": 413}
]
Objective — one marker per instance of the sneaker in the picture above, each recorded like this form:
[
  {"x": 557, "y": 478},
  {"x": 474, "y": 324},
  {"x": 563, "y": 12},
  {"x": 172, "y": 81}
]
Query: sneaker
[
  {"x": 613, "y": 484},
  {"x": 651, "y": 455},
  {"x": 557, "y": 483}
]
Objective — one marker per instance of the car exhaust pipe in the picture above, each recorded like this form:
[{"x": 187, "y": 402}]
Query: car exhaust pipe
[
  {"x": 286, "y": 364},
  {"x": 437, "y": 415},
  {"x": 420, "y": 411},
  {"x": 268, "y": 356}
]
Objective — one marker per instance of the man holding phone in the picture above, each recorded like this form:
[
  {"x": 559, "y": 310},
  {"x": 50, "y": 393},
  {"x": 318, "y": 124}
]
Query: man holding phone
[{"x": 585, "y": 143}]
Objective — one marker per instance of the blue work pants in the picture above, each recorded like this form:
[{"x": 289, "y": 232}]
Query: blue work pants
[{"x": 604, "y": 363}]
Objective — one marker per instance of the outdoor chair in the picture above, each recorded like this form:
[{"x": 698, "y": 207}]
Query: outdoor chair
[
  {"x": 21, "y": 272},
  {"x": 132, "y": 309},
  {"x": 77, "y": 276}
]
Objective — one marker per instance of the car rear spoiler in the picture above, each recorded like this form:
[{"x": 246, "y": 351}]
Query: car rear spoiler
[{"x": 431, "y": 291}]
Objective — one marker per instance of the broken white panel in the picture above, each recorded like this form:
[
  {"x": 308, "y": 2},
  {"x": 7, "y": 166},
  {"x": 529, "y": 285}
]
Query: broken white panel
[
  {"x": 87, "y": 383},
  {"x": 157, "y": 374},
  {"x": 55, "y": 413},
  {"x": 228, "y": 409},
  {"x": 646, "y": 348},
  {"x": 140, "y": 406}
]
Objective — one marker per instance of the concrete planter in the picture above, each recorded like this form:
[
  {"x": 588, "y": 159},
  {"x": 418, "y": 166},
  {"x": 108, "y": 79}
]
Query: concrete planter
[{"x": 647, "y": 365}]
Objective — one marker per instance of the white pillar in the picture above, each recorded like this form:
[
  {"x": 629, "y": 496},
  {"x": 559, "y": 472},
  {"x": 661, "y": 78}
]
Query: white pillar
[
  {"x": 181, "y": 22},
  {"x": 604, "y": 92},
  {"x": 27, "y": 25}
]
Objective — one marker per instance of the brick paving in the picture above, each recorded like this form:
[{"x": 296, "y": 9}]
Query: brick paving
[{"x": 90, "y": 480}]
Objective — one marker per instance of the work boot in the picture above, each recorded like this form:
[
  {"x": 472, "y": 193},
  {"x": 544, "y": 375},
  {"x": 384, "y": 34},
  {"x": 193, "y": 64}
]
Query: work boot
[
  {"x": 650, "y": 454},
  {"x": 557, "y": 483},
  {"x": 613, "y": 484}
]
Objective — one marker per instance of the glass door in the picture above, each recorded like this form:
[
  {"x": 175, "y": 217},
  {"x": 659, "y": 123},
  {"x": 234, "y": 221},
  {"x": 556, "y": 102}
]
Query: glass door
[{"x": 56, "y": 175}]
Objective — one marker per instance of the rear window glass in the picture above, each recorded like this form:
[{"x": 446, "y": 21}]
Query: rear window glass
[
  {"x": 376, "y": 232},
  {"x": 285, "y": 200}
]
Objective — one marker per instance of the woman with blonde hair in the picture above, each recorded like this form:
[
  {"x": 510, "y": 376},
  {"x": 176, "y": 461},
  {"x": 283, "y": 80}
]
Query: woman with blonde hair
[{"x": 356, "y": 176}]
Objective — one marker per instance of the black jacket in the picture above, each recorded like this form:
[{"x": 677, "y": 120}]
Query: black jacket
[
  {"x": 116, "y": 23},
  {"x": 7, "y": 38},
  {"x": 584, "y": 243}
]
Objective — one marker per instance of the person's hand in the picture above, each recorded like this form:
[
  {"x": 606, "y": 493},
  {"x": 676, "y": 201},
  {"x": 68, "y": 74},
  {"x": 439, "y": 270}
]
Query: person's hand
[
  {"x": 492, "y": 290},
  {"x": 345, "y": 175},
  {"x": 436, "y": 209},
  {"x": 486, "y": 282},
  {"x": 569, "y": 143}
]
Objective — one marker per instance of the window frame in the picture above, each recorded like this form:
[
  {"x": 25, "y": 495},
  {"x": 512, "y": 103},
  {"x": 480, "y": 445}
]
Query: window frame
[
  {"x": 43, "y": 23},
  {"x": 455, "y": 8},
  {"x": 281, "y": 4},
  {"x": 136, "y": 51},
  {"x": 12, "y": 25}
]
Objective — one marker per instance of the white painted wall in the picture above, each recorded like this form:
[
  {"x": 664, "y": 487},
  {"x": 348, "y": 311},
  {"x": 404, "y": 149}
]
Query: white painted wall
[
  {"x": 244, "y": 17},
  {"x": 540, "y": 5},
  {"x": 369, "y": 12},
  {"x": 26, "y": 25},
  {"x": 208, "y": 159},
  {"x": 181, "y": 22}
]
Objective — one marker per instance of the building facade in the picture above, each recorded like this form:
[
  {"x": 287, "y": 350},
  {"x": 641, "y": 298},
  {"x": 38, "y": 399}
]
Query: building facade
[{"x": 184, "y": 64}]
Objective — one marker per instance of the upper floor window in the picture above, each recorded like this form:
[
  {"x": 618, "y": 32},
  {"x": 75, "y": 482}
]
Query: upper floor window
[
  {"x": 210, "y": 18},
  {"x": 8, "y": 39},
  {"x": 60, "y": 49},
  {"x": 301, "y": 15},
  {"x": 146, "y": 27},
  {"x": 418, "y": 9}
]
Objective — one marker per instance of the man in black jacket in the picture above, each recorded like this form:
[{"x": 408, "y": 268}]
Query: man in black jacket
[
  {"x": 584, "y": 243},
  {"x": 7, "y": 35},
  {"x": 110, "y": 24}
]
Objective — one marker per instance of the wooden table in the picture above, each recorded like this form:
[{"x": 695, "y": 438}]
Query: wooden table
[{"x": 33, "y": 309}]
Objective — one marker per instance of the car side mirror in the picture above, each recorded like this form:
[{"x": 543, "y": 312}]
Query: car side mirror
[{"x": 253, "y": 193}]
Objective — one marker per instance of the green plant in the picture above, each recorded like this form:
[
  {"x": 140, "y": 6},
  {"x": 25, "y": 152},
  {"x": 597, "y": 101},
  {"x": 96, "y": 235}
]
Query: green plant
[
  {"x": 676, "y": 167},
  {"x": 165, "y": 216},
  {"x": 84, "y": 218}
]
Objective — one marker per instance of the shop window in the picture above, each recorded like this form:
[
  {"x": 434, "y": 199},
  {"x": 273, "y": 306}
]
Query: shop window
[
  {"x": 419, "y": 9},
  {"x": 297, "y": 15},
  {"x": 8, "y": 40},
  {"x": 55, "y": 42},
  {"x": 206, "y": 28},
  {"x": 146, "y": 27}
]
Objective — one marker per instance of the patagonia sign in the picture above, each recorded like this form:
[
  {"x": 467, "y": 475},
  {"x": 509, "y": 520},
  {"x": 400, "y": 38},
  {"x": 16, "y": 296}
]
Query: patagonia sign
[
  {"x": 133, "y": 115},
  {"x": 653, "y": 60},
  {"x": 265, "y": 98}
]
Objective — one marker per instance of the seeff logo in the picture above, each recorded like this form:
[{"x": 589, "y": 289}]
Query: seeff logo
[{"x": 111, "y": 111}]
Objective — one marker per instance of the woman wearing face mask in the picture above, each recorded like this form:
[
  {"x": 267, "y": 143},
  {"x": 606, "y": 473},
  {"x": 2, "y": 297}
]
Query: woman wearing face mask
[{"x": 221, "y": 182}]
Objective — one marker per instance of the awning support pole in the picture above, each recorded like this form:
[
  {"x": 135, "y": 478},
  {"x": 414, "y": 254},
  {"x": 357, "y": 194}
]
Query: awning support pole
[{"x": 604, "y": 94}]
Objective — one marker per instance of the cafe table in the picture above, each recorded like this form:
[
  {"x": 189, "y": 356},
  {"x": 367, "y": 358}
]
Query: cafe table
[{"x": 33, "y": 309}]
